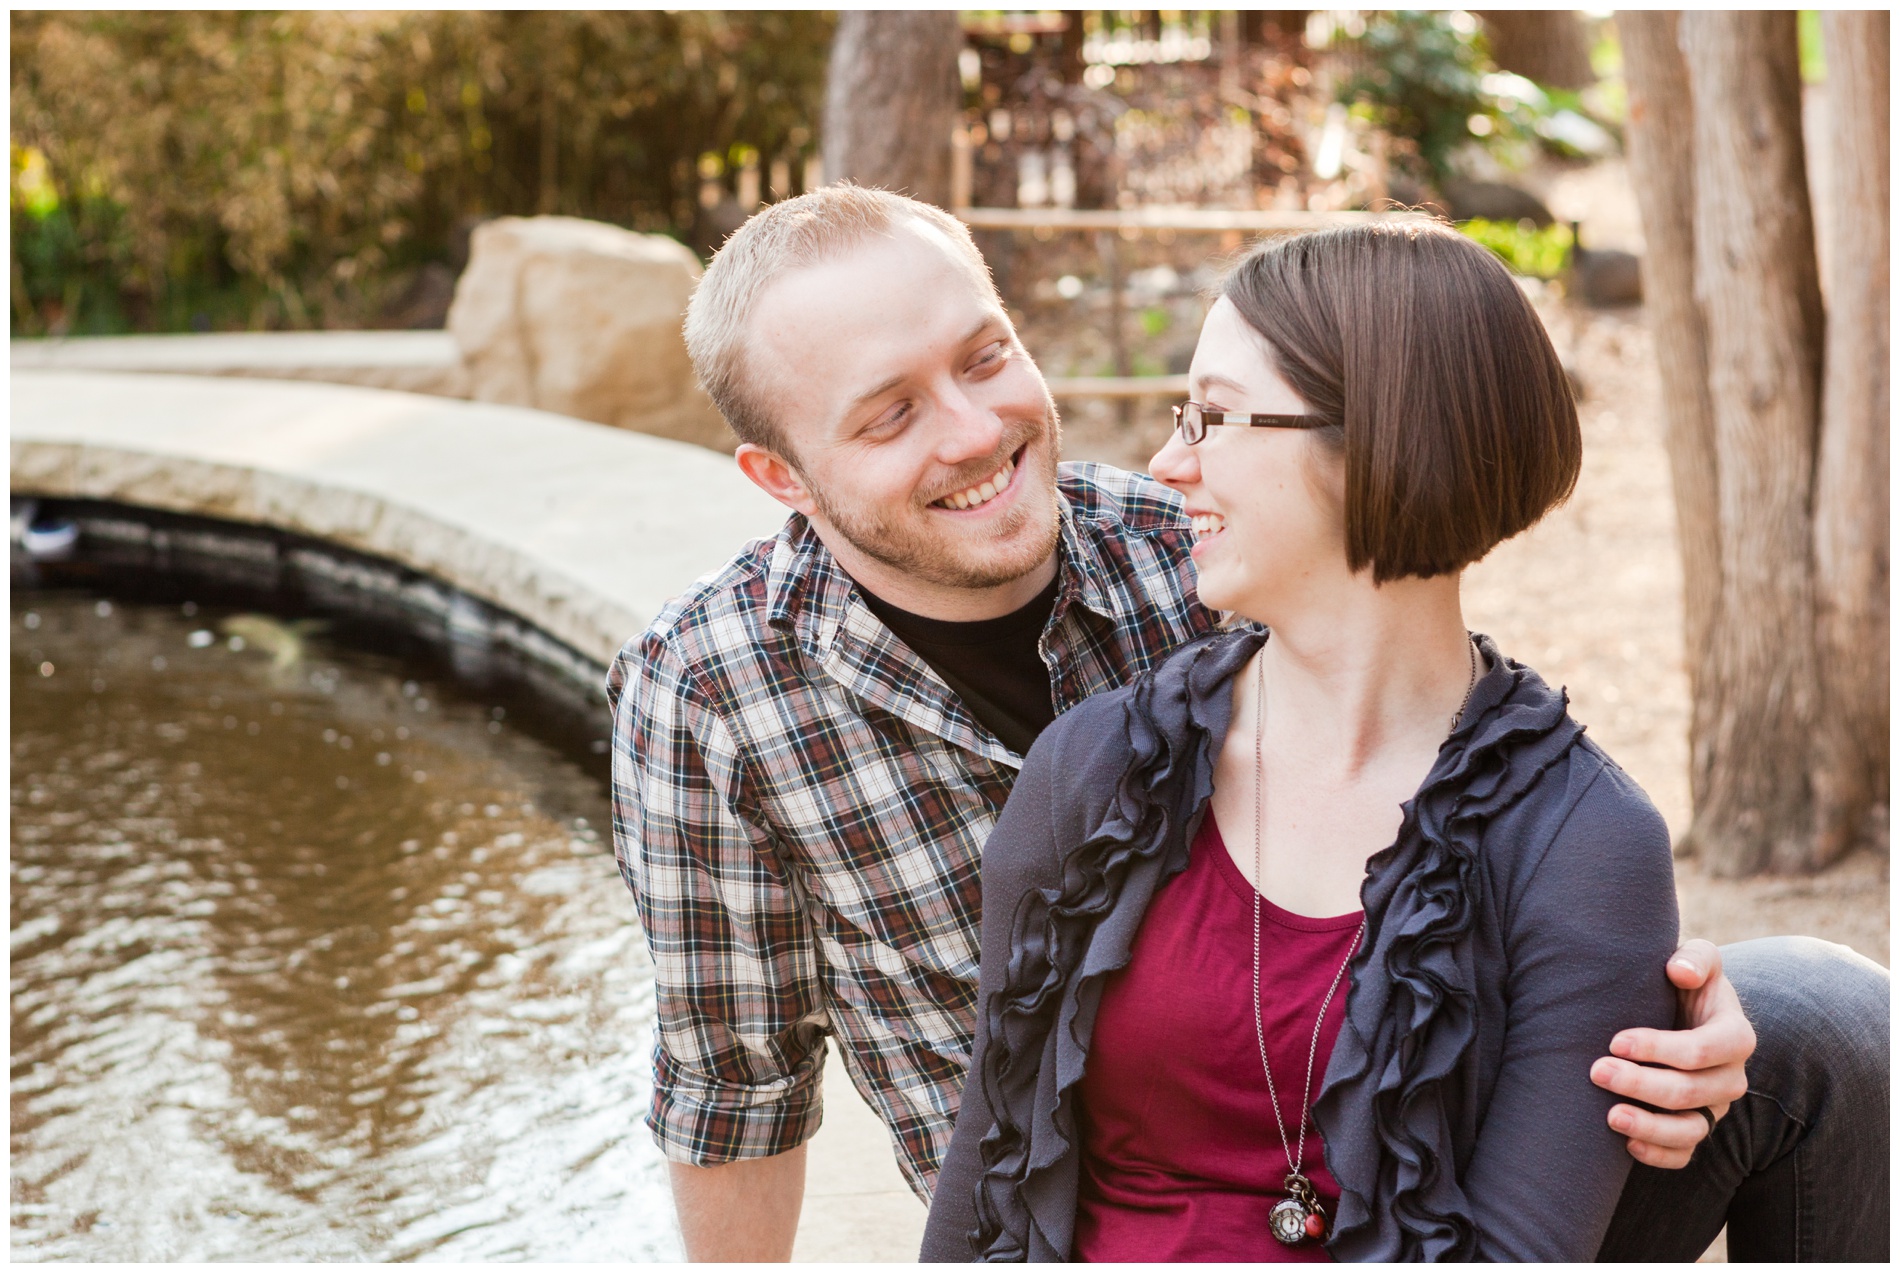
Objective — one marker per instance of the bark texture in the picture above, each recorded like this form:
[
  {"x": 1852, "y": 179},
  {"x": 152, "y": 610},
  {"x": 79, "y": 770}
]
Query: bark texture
[
  {"x": 1661, "y": 146},
  {"x": 1760, "y": 294},
  {"x": 1851, "y": 479},
  {"x": 1546, "y": 45},
  {"x": 891, "y": 101},
  {"x": 1071, "y": 64}
]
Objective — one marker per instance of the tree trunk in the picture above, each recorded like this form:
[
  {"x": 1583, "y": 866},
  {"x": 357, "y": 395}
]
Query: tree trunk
[
  {"x": 1281, "y": 25},
  {"x": 1761, "y": 298},
  {"x": 1850, "y": 486},
  {"x": 892, "y": 100},
  {"x": 1662, "y": 166},
  {"x": 1069, "y": 62},
  {"x": 1546, "y": 45}
]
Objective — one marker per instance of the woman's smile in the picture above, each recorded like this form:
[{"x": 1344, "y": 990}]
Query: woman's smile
[{"x": 1207, "y": 528}]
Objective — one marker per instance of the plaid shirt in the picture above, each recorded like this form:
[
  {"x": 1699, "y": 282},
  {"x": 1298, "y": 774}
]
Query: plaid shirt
[{"x": 800, "y": 806}]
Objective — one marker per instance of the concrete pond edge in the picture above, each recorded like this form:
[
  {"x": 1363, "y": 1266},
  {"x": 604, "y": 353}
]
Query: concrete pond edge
[
  {"x": 582, "y": 530},
  {"x": 579, "y": 530}
]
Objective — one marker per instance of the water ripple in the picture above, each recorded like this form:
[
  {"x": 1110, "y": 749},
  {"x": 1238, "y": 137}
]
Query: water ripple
[{"x": 310, "y": 960}]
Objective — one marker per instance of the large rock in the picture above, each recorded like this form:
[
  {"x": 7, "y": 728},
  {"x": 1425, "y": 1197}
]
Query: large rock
[
  {"x": 584, "y": 319},
  {"x": 1494, "y": 201}
]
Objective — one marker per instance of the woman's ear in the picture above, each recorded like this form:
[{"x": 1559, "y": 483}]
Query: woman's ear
[{"x": 776, "y": 476}]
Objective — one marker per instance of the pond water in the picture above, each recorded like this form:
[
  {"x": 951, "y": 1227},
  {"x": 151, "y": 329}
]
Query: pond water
[{"x": 314, "y": 956}]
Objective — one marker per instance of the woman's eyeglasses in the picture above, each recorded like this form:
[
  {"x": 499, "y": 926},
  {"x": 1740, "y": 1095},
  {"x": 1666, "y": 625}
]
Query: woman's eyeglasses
[{"x": 1194, "y": 420}]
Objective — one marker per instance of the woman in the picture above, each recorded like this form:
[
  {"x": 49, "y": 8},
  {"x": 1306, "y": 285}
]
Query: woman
[{"x": 1301, "y": 947}]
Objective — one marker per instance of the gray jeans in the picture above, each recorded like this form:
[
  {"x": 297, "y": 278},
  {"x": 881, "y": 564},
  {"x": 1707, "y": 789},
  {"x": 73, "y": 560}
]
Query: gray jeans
[{"x": 1798, "y": 1168}]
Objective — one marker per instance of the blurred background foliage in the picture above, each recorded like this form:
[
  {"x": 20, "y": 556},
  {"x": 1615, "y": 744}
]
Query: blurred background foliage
[
  {"x": 1427, "y": 77},
  {"x": 1419, "y": 75},
  {"x": 177, "y": 171},
  {"x": 196, "y": 170},
  {"x": 1533, "y": 251}
]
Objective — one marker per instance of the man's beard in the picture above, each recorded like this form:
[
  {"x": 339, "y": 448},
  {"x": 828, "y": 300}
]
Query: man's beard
[{"x": 908, "y": 545}]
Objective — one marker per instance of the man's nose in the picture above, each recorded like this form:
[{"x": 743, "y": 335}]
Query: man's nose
[
  {"x": 970, "y": 431},
  {"x": 1176, "y": 464}
]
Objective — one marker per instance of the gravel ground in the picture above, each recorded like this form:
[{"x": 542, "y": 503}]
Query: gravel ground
[{"x": 1592, "y": 596}]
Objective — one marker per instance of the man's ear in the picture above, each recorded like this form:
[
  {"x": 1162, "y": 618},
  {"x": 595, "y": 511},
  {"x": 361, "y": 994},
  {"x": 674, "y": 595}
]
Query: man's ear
[{"x": 775, "y": 476}]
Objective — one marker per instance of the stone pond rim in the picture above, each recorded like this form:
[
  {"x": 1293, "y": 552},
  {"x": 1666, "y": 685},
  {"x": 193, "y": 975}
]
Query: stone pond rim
[
  {"x": 581, "y": 530},
  {"x": 555, "y": 313}
]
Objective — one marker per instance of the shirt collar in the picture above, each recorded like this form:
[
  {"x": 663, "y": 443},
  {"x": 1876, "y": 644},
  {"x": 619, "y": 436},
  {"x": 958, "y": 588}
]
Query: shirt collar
[
  {"x": 1083, "y": 571},
  {"x": 802, "y": 580},
  {"x": 809, "y": 594}
]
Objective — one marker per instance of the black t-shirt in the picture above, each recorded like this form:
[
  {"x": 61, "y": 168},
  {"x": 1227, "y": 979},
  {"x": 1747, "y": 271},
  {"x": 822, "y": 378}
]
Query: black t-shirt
[{"x": 994, "y": 665}]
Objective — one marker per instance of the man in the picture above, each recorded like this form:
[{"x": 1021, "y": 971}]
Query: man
[{"x": 812, "y": 745}]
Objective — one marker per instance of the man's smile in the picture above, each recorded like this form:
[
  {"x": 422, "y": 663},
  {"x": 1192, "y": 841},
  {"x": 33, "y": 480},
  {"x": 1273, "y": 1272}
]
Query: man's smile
[{"x": 985, "y": 492}]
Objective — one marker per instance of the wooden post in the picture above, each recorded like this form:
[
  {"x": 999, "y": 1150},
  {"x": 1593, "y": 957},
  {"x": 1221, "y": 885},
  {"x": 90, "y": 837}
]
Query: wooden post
[
  {"x": 1546, "y": 45},
  {"x": 962, "y": 167},
  {"x": 1069, "y": 62},
  {"x": 550, "y": 192},
  {"x": 1232, "y": 49},
  {"x": 1110, "y": 252}
]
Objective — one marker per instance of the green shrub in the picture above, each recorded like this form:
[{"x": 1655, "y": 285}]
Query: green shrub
[
  {"x": 1522, "y": 246},
  {"x": 1426, "y": 78},
  {"x": 258, "y": 169},
  {"x": 1418, "y": 74}
]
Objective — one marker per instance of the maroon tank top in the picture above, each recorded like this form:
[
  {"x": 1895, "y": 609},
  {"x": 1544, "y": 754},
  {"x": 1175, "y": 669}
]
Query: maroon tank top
[{"x": 1181, "y": 1159}]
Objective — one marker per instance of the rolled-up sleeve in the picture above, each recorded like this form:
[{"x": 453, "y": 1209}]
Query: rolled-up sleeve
[{"x": 740, "y": 1040}]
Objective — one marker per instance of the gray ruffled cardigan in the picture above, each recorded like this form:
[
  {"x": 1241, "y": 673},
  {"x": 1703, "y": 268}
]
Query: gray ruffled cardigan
[{"x": 1521, "y": 917}]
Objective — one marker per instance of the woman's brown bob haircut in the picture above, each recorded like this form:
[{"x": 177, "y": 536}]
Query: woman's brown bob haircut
[{"x": 1436, "y": 380}]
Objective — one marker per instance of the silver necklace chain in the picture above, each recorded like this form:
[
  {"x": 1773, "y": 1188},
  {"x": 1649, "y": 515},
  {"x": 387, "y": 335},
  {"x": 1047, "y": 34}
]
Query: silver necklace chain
[
  {"x": 1296, "y": 1157},
  {"x": 1471, "y": 647}
]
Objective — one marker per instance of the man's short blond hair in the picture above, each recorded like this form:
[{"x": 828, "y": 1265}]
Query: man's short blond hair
[{"x": 782, "y": 237}]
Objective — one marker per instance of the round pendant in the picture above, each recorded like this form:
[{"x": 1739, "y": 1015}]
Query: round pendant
[{"x": 1288, "y": 1221}]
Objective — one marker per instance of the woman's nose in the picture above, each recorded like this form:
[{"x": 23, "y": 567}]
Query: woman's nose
[{"x": 1176, "y": 464}]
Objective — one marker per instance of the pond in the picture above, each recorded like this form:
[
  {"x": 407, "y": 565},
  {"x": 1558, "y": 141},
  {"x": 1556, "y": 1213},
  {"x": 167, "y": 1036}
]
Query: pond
[{"x": 316, "y": 954}]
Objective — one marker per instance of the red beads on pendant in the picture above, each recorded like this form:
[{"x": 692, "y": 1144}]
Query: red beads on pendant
[{"x": 1315, "y": 1226}]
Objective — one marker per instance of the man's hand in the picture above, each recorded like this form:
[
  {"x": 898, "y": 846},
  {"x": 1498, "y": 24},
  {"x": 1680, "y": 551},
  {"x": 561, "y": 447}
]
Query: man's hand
[
  {"x": 740, "y": 1212},
  {"x": 1699, "y": 1063}
]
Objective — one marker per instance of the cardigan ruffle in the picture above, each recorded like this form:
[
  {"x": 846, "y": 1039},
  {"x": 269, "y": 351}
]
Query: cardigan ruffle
[
  {"x": 1407, "y": 1028},
  {"x": 1059, "y": 950}
]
